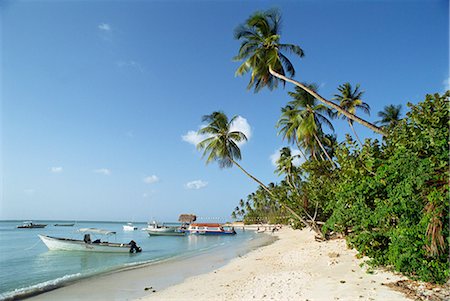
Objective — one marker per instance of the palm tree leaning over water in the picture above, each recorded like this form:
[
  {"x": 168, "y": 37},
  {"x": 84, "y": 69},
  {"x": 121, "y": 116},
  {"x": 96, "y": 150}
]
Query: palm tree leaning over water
[
  {"x": 390, "y": 115},
  {"x": 350, "y": 100},
  {"x": 221, "y": 146},
  {"x": 261, "y": 52}
]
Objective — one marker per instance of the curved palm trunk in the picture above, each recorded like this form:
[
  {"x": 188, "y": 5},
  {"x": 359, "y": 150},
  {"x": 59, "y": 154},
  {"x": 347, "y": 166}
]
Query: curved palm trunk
[
  {"x": 324, "y": 151},
  {"x": 329, "y": 103},
  {"x": 354, "y": 132},
  {"x": 313, "y": 226}
]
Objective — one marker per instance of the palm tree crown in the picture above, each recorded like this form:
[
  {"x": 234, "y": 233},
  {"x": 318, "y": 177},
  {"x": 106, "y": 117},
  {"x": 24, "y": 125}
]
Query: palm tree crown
[
  {"x": 221, "y": 143},
  {"x": 350, "y": 100},
  {"x": 390, "y": 115},
  {"x": 302, "y": 119},
  {"x": 261, "y": 50}
]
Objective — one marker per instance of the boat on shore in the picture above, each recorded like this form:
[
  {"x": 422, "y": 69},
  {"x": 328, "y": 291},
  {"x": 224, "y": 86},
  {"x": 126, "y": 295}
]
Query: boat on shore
[
  {"x": 31, "y": 225},
  {"x": 155, "y": 229},
  {"x": 68, "y": 244},
  {"x": 209, "y": 229},
  {"x": 129, "y": 227}
]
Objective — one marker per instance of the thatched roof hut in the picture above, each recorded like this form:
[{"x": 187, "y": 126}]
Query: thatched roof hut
[{"x": 187, "y": 218}]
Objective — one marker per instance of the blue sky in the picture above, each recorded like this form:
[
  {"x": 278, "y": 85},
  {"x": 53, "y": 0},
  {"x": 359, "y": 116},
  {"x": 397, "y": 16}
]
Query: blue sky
[{"x": 98, "y": 97}]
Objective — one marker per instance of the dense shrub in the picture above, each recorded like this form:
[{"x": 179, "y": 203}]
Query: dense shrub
[{"x": 393, "y": 199}]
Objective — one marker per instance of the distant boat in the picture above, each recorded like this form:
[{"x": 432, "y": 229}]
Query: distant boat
[
  {"x": 63, "y": 225},
  {"x": 209, "y": 229},
  {"x": 31, "y": 225},
  {"x": 154, "y": 229},
  {"x": 129, "y": 227},
  {"x": 67, "y": 244}
]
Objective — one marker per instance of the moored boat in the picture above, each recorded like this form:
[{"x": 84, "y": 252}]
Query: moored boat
[
  {"x": 129, "y": 227},
  {"x": 209, "y": 229},
  {"x": 68, "y": 244},
  {"x": 31, "y": 225},
  {"x": 154, "y": 229}
]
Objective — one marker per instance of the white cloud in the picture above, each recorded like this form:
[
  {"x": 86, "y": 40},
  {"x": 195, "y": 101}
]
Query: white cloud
[
  {"x": 446, "y": 83},
  {"x": 56, "y": 169},
  {"x": 239, "y": 124},
  {"x": 193, "y": 137},
  {"x": 197, "y": 184},
  {"x": 103, "y": 171},
  {"x": 151, "y": 179},
  {"x": 298, "y": 160},
  {"x": 104, "y": 27}
]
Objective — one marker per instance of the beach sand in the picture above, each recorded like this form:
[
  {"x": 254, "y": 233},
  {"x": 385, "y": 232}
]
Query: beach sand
[{"x": 295, "y": 267}]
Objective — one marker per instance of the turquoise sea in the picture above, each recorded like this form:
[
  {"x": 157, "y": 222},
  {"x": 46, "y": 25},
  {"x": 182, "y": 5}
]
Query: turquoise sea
[{"x": 28, "y": 267}]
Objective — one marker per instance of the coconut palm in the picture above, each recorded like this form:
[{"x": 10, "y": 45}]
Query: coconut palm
[
  {"x": 390, "y": 115},
  {"x": 350, "y": 100},
  {"x": 263, "y": 55},
  {"x": 304, "y": 116},
  {"x": 221, "y": 146},
  {"x": 285, "y": 165},
  {"x": 289, "y": 125}
]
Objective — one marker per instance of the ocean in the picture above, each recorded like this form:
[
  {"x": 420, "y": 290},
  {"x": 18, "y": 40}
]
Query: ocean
[{"x": 28, "y": 267}]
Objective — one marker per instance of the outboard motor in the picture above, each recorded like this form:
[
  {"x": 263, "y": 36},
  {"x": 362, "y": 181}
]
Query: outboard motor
[{"x": 134, "y": 248}]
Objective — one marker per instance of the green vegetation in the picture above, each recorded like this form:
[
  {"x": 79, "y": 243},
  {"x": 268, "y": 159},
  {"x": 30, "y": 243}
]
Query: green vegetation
[{"x": 390, "y": 198}]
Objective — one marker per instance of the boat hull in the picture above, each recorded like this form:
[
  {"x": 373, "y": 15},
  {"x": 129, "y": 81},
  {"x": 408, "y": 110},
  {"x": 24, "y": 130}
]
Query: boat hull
[
  {"x": 35, "y": 226},
  {"x": 165, "y": 233},
  {"x": 129, "y": 228},
  {"x": 65, "y": 244},
  {"x": 195, "y": 232}
]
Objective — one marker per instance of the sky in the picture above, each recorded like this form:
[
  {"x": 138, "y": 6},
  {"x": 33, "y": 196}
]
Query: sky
[{"x": 100, "y": 100}]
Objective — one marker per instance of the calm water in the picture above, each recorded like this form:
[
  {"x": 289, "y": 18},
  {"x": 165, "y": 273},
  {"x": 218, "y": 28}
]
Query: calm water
[{"x": 26, "y": 265}]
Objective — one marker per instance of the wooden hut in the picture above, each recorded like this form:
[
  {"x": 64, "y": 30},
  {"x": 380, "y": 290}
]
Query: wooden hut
[{"x": 187, "y": 218}]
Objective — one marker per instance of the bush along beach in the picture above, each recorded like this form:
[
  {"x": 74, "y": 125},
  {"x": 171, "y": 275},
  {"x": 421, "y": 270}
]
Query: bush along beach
[{"x": 389, "y": 196}]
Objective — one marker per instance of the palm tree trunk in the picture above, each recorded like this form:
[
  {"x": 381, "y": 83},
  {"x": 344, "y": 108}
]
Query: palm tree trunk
[
  {"x": 300, "y": 149},
  {"x": 354, "y": 132},
  {"x": 324, "y": 151},
  {"x": 313, "y": 226},
  {"x": 329, "y": 103}
]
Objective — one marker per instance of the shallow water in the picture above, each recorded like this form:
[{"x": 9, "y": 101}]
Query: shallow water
[{"x": 27, "y": 266}]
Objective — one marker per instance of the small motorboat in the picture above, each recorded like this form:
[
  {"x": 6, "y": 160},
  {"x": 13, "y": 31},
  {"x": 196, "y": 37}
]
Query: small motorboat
[
  {"x": 209, "y": 229},
  {"x": 67, "y": 244},
  {"x": 154, "y": 229},
  {"x": 129, "y": 227},
  {"x": 63, "y": 225},
  {"x": 31, "y": 225}
]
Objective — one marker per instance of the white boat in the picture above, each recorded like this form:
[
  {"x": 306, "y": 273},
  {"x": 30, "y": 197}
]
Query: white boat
[
  {"x": 129, "y": 227},
  {"x": 30, "y": 225},
  {"x": 154, "y": 229},
  {"x": 209, "y": 229},
  {"x": 68, "y": 244}
]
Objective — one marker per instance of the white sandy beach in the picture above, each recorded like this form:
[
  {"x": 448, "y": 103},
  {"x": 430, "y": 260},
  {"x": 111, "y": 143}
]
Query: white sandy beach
[{"x": 295, "y": 267}]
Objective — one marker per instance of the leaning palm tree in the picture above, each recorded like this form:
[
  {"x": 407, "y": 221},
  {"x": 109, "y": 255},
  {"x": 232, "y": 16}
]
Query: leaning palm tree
[
  {"x": 350, "y": 100},
  {"x": 221, "y": 146},
  {"x": 263, "y": 55},
  {"x": 390, "y": 115}
]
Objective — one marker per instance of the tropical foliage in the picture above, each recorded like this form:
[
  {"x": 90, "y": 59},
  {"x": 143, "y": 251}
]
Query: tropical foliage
[{"x": 389, "y": 198}]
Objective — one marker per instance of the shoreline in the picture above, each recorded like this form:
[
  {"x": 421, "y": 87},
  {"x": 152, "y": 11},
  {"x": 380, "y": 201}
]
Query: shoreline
[
  {"x": 295, "y": 267},
  {"x": 128, "y": 283}
]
